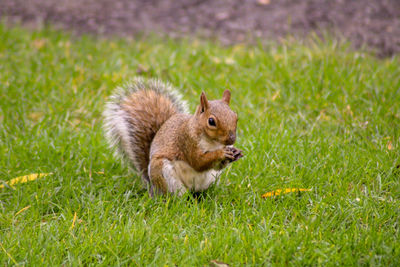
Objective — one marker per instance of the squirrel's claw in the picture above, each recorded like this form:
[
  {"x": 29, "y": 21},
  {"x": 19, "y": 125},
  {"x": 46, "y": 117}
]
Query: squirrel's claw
[
  {"x": 229, "y": 154},
  {"x": 236, "y": 153}
]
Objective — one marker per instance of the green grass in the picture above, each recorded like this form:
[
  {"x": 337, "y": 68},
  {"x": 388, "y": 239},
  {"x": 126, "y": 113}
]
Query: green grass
[{"x": 314, "y": 115}]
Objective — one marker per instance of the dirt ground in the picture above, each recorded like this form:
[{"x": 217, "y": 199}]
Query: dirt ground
[{"x": 374, "y": 23}]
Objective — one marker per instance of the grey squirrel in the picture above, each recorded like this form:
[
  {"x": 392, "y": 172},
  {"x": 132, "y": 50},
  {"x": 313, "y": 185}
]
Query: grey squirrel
[{"x": 148, "y": 123}]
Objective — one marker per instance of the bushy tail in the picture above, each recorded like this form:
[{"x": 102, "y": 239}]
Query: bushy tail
[{"x": 133, "y": 116}]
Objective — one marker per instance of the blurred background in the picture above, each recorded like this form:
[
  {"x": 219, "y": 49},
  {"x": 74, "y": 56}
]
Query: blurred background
[{"x": 373, "y": 23}]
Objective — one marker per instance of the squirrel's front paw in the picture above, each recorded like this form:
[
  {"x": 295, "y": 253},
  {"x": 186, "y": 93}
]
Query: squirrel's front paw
[
  {"x": 229, "y": 154},
  {"x": 237, "y": 153}
]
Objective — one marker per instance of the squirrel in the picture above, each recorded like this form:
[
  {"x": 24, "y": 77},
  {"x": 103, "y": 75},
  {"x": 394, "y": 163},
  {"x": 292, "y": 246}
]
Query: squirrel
[{"x": 147, "y": 123}]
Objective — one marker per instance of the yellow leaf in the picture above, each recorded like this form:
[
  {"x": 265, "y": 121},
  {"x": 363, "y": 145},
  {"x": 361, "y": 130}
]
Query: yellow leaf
[
  {"x": 22, "y": 210},
  {"x": 278, "y": 192},
  {"x": 389, "y": 145},
  {"x": 276, "y": 95},
  {"x": 73, "y": 222},
  {"x": 25, "y": 178}
]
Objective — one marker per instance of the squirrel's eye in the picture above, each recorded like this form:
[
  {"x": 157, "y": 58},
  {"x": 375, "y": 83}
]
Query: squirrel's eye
[{"x": 211, "y": 122}]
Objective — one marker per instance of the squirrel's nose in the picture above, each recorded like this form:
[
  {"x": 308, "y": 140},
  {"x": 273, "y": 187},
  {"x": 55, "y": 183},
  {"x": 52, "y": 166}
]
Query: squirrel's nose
[{"x": 231, "y": 138}]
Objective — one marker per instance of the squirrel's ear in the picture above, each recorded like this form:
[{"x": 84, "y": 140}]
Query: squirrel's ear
[
  {"x": 203, "y": 102},
  {"x": 226, "y": 97}
]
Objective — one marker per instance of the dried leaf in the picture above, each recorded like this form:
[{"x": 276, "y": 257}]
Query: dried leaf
[
  {"x": 276, "y": 95},
  {"x": 389, "y": 145},
  {"x": 264, "y": 2},
  {"x": 216, "y": 263},
  {"x": 349, "y": 111},
  {"x": 216, "y": 60},
  {"x": 39, "y": 43},
  {"x": 229, "y": 61},
  {"x": 25, "y": 178},
  {"x": 142, "y": 69},
  {"x": 284, "y": 191},
  {"x": 36, "y": 116},
  {"x": 222, "y": 15}
]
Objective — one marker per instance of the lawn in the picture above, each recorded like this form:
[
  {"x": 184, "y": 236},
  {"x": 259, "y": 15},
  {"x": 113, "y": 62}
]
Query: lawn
[{"x": 313, "y": 115}]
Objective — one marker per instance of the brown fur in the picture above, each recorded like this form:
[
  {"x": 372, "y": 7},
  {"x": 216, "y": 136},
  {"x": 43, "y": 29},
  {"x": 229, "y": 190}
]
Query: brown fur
[
  {"x": 179, "y": 137},
  {"x": 156, "y": 176},
  {"x": 148, "y": 111},
  {"x": 146, "y": 122}
]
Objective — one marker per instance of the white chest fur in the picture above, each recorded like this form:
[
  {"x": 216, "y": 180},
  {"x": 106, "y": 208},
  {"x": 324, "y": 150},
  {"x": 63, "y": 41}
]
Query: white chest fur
[
  {"x": 181, "y": 177},
  {"x": 208, "y": 145}
]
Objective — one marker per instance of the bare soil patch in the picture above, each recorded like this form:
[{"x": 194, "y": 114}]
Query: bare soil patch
[{"x": 374, "y": 23}]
